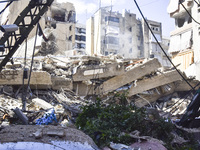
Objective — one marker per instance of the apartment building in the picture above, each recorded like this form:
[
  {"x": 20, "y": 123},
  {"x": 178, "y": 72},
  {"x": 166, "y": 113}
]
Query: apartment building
[
  {"x": 111, "y": 32},
  {"x": 60, "y": 18}
]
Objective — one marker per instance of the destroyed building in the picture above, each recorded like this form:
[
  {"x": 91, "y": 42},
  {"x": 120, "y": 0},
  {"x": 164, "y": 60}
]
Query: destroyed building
[
  {"x": 58, "y": 24},
  {"x": 184, "y": 40},
  {"x": 51, "y": 88},
  {"x": 115, "y": 33}
]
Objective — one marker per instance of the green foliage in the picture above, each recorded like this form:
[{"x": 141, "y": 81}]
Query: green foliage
[{"x": 106, "y": 124}]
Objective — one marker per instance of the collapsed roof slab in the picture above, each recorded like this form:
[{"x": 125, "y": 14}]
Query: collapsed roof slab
[
  {"x": 96, "y": 71},
  {"x": 39, "y": 79},
  {"x": 130, "y": 76},
  {"x": 155, "y": 81}
]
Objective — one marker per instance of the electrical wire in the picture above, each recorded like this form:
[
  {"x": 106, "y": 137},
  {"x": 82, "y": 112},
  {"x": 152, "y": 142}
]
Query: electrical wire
[
  {"x": 188, "y": 12},
  {"x": 31, "y": 68},
  {"x": 24, "y": 93},
  {"x": 29, "y": 78},
  {"x": 196, "y": 2},
  {"x": 161, "y": 46}
]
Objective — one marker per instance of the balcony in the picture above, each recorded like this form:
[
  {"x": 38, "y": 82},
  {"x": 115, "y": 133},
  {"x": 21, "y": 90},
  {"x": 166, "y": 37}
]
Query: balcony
[{"x": 181, "y": 11}]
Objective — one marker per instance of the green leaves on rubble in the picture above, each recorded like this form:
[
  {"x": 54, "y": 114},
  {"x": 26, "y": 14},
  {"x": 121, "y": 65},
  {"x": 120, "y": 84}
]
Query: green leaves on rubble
[{"x": 113, "y": 123}]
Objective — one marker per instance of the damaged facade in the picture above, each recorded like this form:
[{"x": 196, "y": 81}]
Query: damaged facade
[
  {"x": 59, "y": 85},
  {"x": 184, "y": 40},
  {"x": 115, "y": 33},
  {"x": 58, "y": 25}
]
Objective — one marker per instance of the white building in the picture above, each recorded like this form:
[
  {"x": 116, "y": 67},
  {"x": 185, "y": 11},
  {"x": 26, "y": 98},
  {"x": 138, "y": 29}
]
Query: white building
[{"x": 115, "y": 33}]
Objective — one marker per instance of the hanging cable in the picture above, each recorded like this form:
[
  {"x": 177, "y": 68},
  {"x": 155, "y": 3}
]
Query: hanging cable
[
  {"x": 188, "y": 12},
  {"x": 24, "y": 93},
  {"x": 29, "y": 78},
  {"x": 161, "y": 46},
  {"x": 196, "y": 2},
  {"x": 37, "y": 28}
]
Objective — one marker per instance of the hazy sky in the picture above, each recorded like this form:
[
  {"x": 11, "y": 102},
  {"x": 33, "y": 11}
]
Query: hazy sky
[{"x": 152, "y": 9}]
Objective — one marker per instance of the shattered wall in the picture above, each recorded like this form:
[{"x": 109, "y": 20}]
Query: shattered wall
[{"x": 59, "y": 20}]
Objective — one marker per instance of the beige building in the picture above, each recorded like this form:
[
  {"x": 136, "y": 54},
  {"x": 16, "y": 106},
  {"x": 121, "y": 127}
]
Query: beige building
[
  {"x": 60, "y": 19},
  {"x": 184, "y": 40},
  {"x": 122, "y": 33},
  {"x": 181, "y": 45}
]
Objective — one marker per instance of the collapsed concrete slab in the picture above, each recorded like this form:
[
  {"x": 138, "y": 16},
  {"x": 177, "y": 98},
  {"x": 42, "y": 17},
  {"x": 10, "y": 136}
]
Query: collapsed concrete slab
[
  {"x": 39, "y": 79},
  {"x": 61, "y": 83},
  {"x": 96, "y": 71},
  {"x": 130, "y": 76},
  {"x": 155, "y": 81},
  {"x": 183, "y": 86}
]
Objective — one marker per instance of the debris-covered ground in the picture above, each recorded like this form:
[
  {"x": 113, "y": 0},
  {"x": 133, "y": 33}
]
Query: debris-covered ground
[{"x": 119, "y": 103}]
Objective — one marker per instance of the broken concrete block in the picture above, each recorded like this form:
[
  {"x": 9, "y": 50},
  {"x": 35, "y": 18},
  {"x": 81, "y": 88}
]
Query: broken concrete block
[
  {"x": 39, "y": 79},
  {"x": 153, "y": 82},
  {"x": 96, "y": 71},
  {"x": 8, "y": 90},
  {"x": 59, "y": 133},
  {"x": 130, "y": 76},
  {"x": 41, "y": 103},
  {"x": 21, "y": 116},
  {"x": 183, "y": 86},
  {"x": 38, "y": 134},
  {"x": 61, "y": 82},
  {"x": 83, "y": 89},
  {"x": 15, "y": 65}
]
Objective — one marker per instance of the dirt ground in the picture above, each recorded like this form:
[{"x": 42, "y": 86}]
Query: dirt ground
[{"x": 25, "y": 133}]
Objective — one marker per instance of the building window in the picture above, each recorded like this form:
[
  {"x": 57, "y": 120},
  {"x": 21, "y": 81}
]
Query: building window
[
  {"x": 139, "y": 48},
  {"x": 80, "y": 38},
  {"x": 130, "y": 50},
  {"x": 130, "y": 40},
  {"x": 106, "y": 53},
  {"x": 112, "y": 40},
  {"x": 80, "y": 45},
  {"x": 70, "y": 28},
  {"x": 71, "y": 16},
  {"x": 70, "y": 38},
  {"x": 130, "y": 29},
  {"x": 82, "y": 30},
  {"x": 59, "y": 17},
  {"x": 180, "y": 22},
  {"x": 113, "y": 19}
]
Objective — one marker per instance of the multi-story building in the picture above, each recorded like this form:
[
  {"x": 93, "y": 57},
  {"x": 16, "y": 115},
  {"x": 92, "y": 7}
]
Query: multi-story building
[
  {"x": 115, "y": 33},
  {"x": 80, "y": 37},
  {"x": 60, "y": 18},
  {"x": 184, "y": 40},
  {"x": 181, "y": 45}
]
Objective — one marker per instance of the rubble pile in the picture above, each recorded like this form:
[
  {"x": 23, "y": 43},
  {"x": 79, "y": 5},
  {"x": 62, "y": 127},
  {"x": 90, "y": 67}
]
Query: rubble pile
[{"x": 60, "y": 86}]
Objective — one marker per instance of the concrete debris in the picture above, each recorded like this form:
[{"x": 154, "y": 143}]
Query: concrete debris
[
  {"x": 21, "y": 116},
  {"x": 65, "y": 84}
]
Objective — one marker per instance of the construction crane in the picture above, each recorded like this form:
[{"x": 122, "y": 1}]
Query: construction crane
[{"x": 16, "y": 33}]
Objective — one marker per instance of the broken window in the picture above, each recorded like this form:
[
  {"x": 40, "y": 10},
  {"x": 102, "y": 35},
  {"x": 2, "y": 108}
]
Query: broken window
[
  {"x": 180, "y": 22},
  {"x": 130, "y": 29},
  {"x": 80, "y": 45},
  {"x": 71, "y": 16},
  {"x": 70, "y": 28},
  {"x": 70, "y": 38},
  {"x": 58, "y": 14},
  {"x": 80, "y": 38},
  {"x": 112, "y": 40},
  {"x": 113, "y": 19}
]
